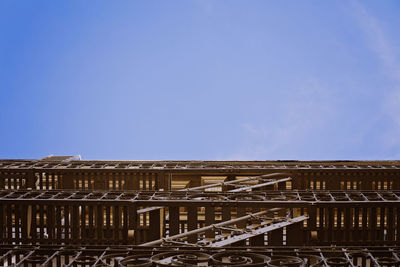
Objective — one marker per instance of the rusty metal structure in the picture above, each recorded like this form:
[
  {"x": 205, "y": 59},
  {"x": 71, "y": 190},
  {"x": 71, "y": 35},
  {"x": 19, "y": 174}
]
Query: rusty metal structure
[
  {"x": 163, "y": 256},
  {"x": 64, "y": 211}
]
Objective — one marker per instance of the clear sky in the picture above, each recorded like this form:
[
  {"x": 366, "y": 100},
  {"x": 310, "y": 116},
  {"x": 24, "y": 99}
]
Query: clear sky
[{"x": 206, "y": 80}]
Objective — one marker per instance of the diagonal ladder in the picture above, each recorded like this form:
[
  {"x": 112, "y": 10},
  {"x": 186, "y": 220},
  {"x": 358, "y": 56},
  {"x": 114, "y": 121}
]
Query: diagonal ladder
[
  {"x": 236, "y": 234},
  {"x": 268, "y": 179}
]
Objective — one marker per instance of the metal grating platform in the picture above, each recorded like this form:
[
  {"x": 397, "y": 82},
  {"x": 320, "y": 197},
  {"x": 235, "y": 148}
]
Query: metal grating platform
[
  {"x": 186, "y": 256},
  {"x": 59, "y": 211},
  {"x": 133, "y": 217}
]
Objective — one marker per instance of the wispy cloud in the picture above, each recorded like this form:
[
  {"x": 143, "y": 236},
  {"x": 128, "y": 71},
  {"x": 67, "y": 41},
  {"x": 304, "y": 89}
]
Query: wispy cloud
[
  {"x": 379, "y": 41},
  {"x": 316, "y": 114},
  {"x": 302, "y": 114}
]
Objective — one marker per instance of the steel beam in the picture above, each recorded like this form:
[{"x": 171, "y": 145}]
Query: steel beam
[
  {"x": 195, "y": 165},
  {"x": 168, "y": 198}
]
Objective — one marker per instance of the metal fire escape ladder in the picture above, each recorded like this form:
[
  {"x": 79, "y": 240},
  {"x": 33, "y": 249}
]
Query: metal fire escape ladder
[
  {"x": 254, "y": 230},
  {"x": 229, "y": 234},
  {"x": 266, "y": 179}
]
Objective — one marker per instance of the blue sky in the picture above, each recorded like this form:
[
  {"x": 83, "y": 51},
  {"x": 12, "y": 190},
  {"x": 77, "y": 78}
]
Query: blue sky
[{"x": 205, "y": 80}]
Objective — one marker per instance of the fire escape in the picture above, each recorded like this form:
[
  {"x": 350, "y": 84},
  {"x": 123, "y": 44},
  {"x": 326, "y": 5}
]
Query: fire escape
[{"x": 64, "y": 211}]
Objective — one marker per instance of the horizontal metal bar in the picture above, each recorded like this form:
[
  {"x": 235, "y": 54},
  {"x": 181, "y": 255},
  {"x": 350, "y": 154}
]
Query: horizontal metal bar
[
  {"x": 157, "y": 198},
  {"x": 83, "y": 165}
]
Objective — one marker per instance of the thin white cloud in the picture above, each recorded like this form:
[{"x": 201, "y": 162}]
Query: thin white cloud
[
  {"x": 303, "y": 113},
  {"x": 313, "y": 107},
  {"x": 379, "y": 41},
  {"x": 206, "y": 5}
]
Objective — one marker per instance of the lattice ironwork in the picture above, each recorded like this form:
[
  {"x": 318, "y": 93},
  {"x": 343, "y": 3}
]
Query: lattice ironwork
[
  {"x": 184, "y": 197},
  {"x": 187, "y": 256},
  {"x": 159, "y": 175},
  {"x": 259, "y": 204},
  {"x": 111, "y": 217},
  {"x": 196, "y": 165}
]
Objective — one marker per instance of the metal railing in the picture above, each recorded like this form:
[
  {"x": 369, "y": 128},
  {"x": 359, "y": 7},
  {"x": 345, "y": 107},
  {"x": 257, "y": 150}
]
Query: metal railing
[{"x": 58, "y": 256}]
